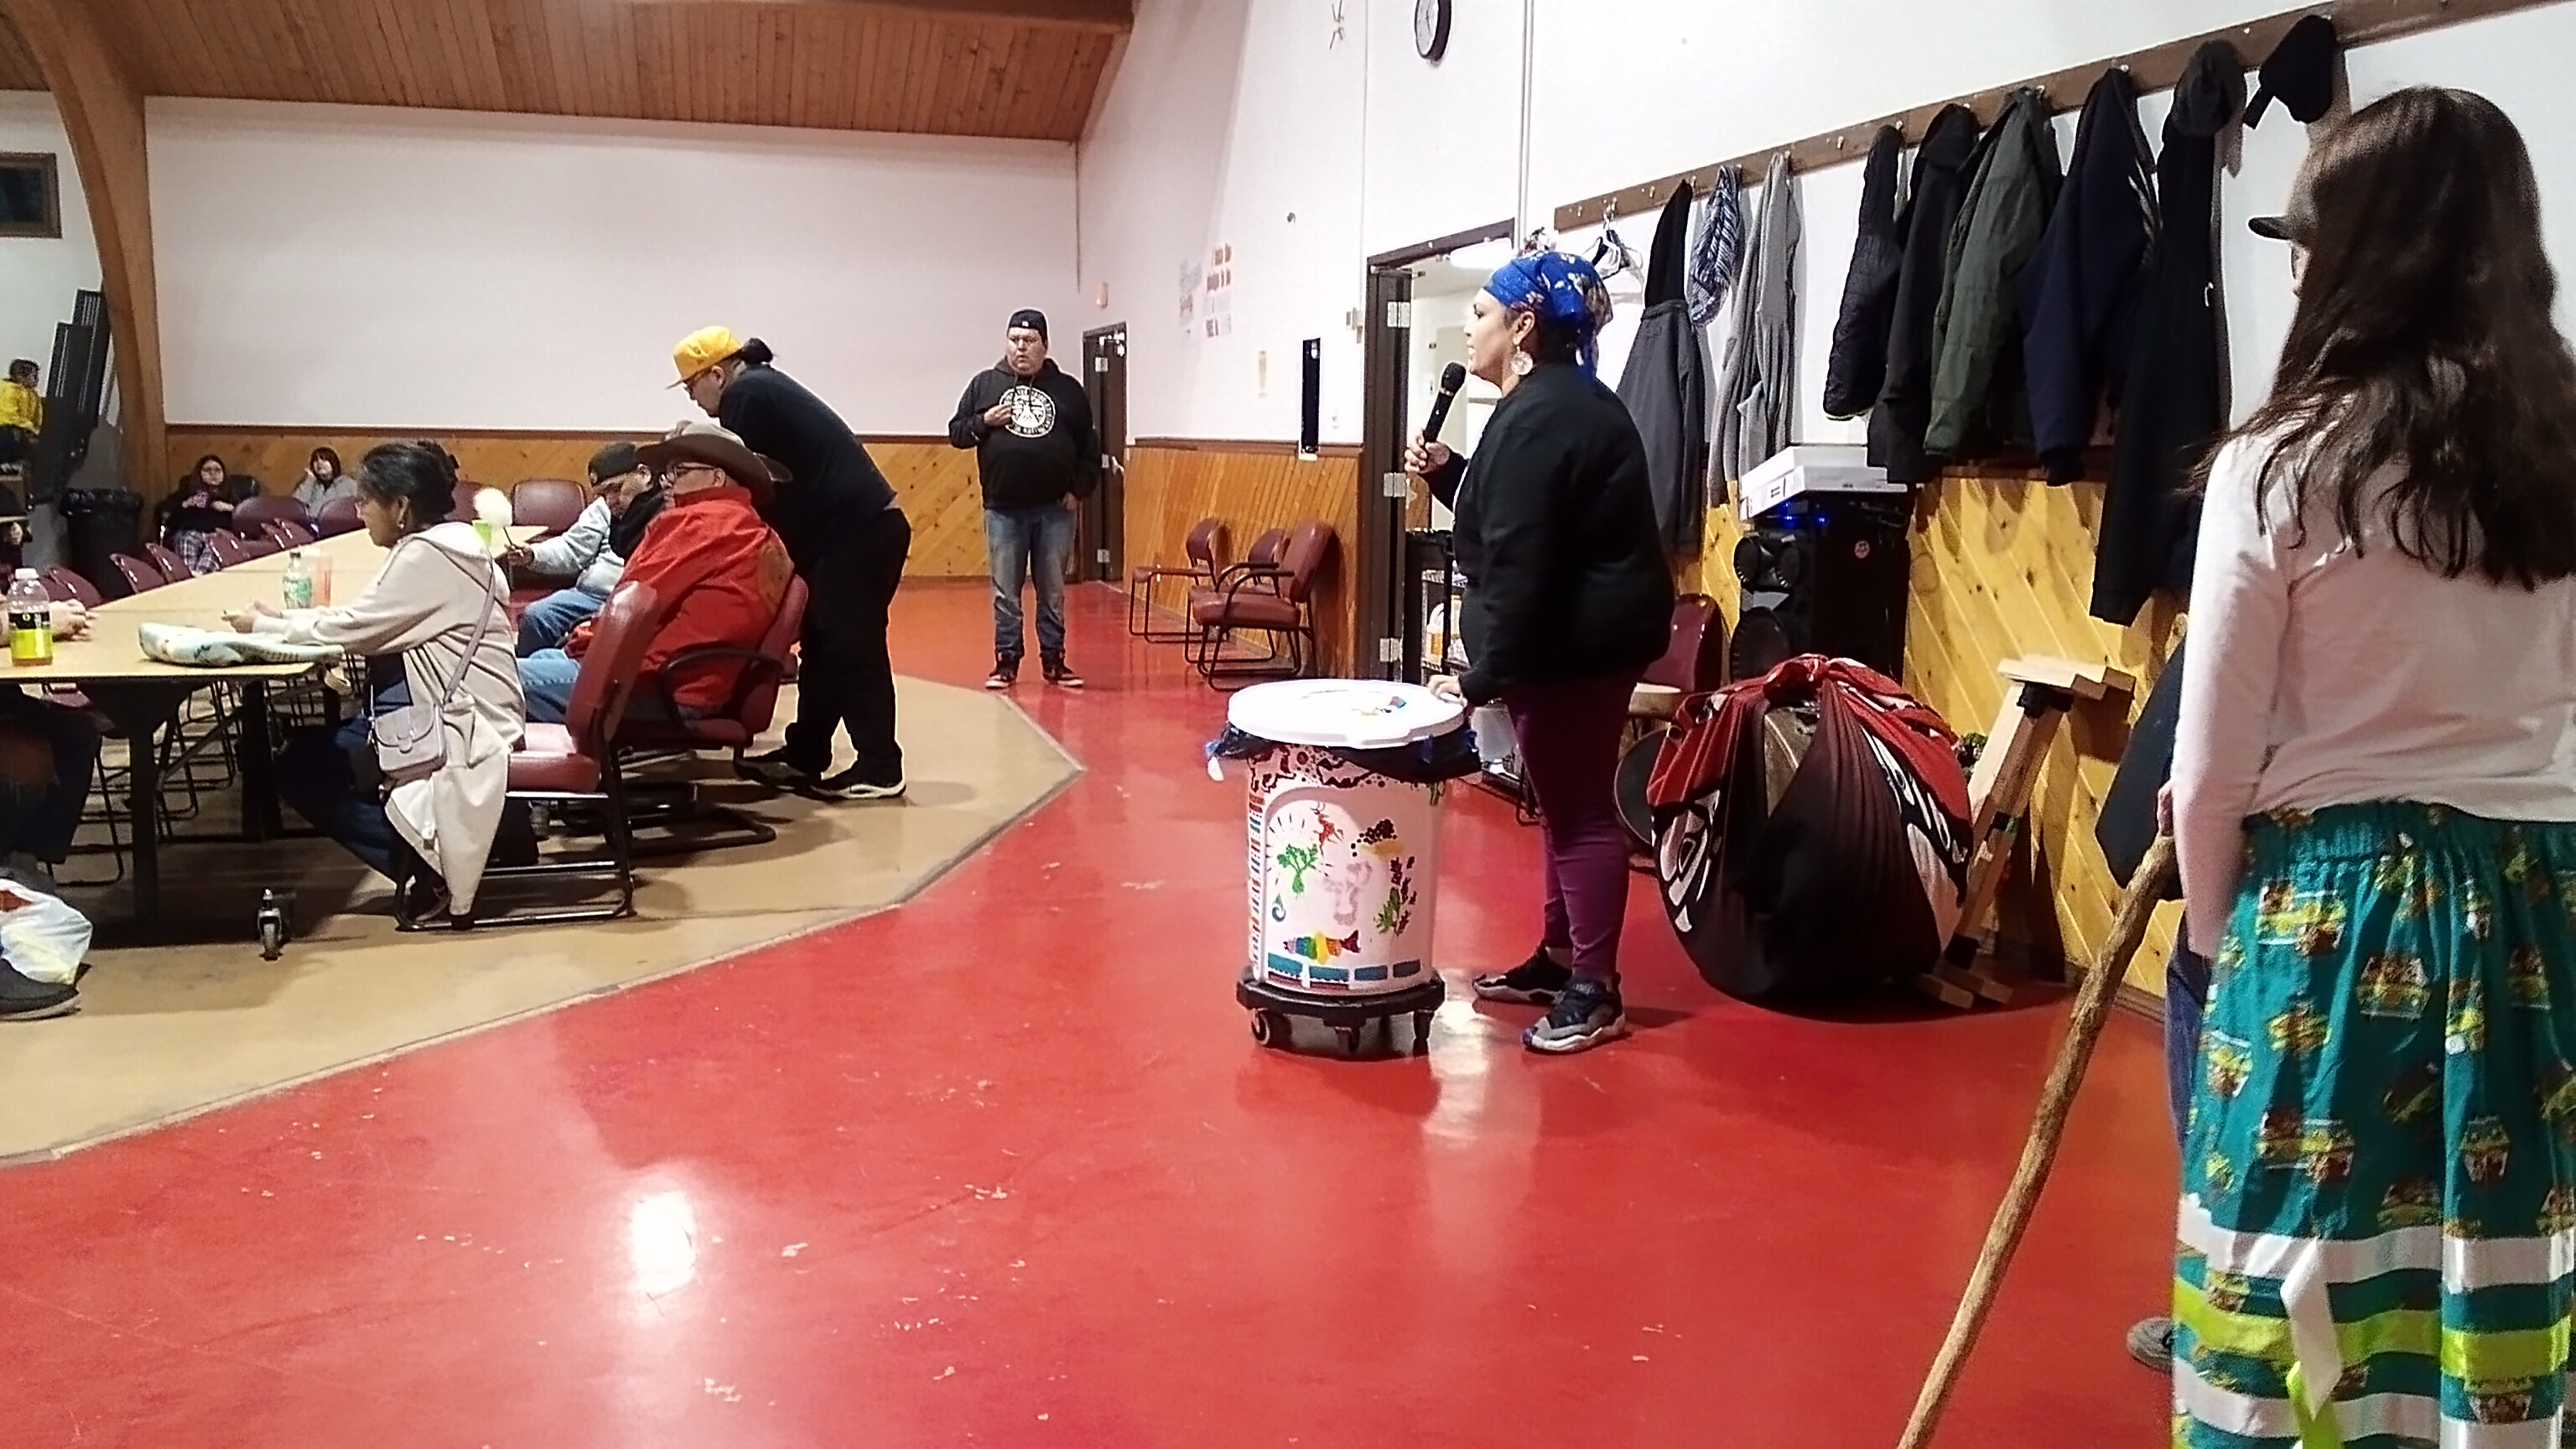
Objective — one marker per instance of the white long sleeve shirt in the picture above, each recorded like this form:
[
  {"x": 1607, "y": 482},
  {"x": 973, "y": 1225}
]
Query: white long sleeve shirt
[
  {"x": 581, "y": 553},
  {"x": 2321, "y": 674}
]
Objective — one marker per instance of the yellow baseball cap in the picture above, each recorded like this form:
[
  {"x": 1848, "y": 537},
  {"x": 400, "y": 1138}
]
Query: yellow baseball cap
[{"x": 701, "y": 350}]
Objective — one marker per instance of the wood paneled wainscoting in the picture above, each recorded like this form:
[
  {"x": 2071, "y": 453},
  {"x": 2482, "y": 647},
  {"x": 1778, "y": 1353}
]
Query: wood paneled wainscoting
[
  {"x": 1172, "y": 483},
  {"x": 936, "y": 483},
  {"x": 2003, "y": 566}
]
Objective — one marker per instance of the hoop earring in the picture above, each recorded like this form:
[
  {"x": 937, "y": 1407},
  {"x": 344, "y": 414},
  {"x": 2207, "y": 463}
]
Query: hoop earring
[{"x": 1522, "y": 363}]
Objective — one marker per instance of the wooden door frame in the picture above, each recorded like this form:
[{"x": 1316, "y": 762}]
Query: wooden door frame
[
  {"x": 1384, "y": 430},
  {"x": 1103, "y": 546}
]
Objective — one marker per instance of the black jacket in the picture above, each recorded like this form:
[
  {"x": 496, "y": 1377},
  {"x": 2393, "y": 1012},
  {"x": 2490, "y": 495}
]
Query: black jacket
[
  {"x": 2175, "y": 403},
  {"x": 1979, "y": 402},
  {"x": 2079, "y": 292},
  {"x": 626, "y": 530},
  {"x": 836, "y": 485},
  {"x": 1905, "y": 403},
  {"x": 178, "y": 514},
  {"x": 1857, "y": 368},
  {"x": 1555, "y": 536},
  {"x": 1046, "y": 451},
  {"x": 1665, "y": 388}
]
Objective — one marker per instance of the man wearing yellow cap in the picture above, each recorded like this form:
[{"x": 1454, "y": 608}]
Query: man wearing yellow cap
[{"x": 837, "y": 515}]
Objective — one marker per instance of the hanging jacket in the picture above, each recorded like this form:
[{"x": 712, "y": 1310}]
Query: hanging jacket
[
  {"x": 1905, "y": 401},
  {"x": 1718, "y": 247},
  {"x": 2175, "y": 401},
  {"x": 2079, "y": 293},
  {"x": 1757, "y": 405},
  {"x": 1665, "y": 387},
  {"x": 1978, "y": 403},
  {"x": 1858, "y": 366}
]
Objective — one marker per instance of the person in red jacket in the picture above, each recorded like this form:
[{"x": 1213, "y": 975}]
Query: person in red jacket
[{"x": 720, "y": 571}]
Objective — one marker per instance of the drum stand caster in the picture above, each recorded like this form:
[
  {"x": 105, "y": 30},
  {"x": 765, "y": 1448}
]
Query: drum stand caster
[
  {"x": 1275, "y": 1011},
  {"x": 276, "y": 922}
]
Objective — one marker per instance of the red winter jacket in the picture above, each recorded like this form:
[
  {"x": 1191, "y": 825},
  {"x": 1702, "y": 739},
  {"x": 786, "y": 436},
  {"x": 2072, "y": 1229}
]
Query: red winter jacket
[{"x": 721, "y": 574}]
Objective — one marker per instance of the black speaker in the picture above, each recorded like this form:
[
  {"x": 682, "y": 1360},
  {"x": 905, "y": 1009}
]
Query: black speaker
[
  {"x": 1827, "y": 578},
  {"x": 1310, "y": 399}
]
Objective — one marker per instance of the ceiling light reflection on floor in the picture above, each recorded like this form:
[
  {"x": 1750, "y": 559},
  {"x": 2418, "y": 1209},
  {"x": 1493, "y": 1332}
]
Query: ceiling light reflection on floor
[{"x": 662, "y": 1239}]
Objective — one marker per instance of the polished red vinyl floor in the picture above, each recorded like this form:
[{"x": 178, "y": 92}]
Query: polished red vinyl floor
[{"x": 1003, "y": 1167}]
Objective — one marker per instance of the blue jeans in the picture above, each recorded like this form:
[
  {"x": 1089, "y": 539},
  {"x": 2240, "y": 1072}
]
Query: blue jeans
[
  {"x": 2186, "y": 998},
  {"x": 315, "y": 780},
  {"x": 550, "y": 620},
  {"x": 546, "y": 677},
  {"x": 46, "y": 756},
  {"x": 1021, "y": 542}
]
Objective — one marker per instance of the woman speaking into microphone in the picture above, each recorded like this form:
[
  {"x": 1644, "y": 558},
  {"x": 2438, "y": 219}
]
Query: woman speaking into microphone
[{"x": 1568, "y": 600}]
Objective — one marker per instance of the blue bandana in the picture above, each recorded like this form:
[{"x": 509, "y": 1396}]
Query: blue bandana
[{"x": 1555, "y": 288}]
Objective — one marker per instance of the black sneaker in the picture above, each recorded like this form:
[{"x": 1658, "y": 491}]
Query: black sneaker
[
  {"x": 781, "y": 770},
  {"x": 1059, "y": 674},
  {"x": 1587, "y": 1014},
  {"x": 25, "y": 999},
  {"x": 1535, "y": 982},
  {"x": 850, "y": 785},
  {"x": 1006, "y": 672}
]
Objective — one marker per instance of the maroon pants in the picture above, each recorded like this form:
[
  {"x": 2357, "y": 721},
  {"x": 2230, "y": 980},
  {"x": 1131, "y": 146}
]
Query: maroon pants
[{"x": 1568, "y": 738}]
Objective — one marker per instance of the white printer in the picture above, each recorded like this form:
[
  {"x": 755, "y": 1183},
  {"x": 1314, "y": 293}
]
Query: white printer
[{"x": 1813, "y": 468}]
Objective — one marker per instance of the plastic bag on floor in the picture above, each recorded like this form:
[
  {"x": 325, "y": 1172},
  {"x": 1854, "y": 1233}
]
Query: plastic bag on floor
[
  {"x": 1424, "y": 762},
  {"x": 40, "y": 936}
]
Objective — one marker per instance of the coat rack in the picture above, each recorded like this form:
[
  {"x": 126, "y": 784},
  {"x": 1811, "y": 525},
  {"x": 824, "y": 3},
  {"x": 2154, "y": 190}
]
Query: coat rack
[{"x": 2357, "y": 22}]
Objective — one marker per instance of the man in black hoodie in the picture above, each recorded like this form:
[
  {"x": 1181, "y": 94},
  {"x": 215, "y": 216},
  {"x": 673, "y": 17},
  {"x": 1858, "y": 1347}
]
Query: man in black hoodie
[{"x": 1030, "y": 427}]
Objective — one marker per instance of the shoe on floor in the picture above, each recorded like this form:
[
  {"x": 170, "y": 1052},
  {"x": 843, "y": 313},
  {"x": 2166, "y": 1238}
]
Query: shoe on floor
[
  {"x": 781, "y": 770},
  {"x": 1059, "y": 674},
  {"x": 2151, "y": 1343},
  {"x": 25, "y": 999},
  {"x": 1537, "y": 981},
  {"x": 1587, "y": 1014},
  {"x": 1006, "y": 672},
  {"x": 850, "y": 785}
]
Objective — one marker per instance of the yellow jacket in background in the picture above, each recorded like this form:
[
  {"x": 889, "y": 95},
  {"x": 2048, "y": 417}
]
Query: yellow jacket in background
[{"x": 21, "y": 408}]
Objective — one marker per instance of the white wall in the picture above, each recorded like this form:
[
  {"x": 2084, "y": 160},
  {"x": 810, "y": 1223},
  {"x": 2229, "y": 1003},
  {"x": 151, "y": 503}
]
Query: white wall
[
  {"x": 1217, "y": 91},
  {"x": 361, "y": 267},
  {"x": 38, "y": 278}
]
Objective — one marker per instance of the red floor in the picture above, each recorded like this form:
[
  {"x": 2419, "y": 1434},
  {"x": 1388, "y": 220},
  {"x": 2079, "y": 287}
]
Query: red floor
[{"x": 1003, "y": 1167}]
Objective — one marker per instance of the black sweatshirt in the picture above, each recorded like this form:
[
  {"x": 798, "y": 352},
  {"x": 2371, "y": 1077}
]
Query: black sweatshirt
[
  {"x": 1046, "y": 451},
  {"x": 836, "y": 486},
  {"x": 1555, "y": 533}
]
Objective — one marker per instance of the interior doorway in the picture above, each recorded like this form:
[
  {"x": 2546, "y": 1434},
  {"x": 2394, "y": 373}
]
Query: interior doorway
[
  {"x": 1415, "y": 326},
  {"x": 1100, "y": 539}
]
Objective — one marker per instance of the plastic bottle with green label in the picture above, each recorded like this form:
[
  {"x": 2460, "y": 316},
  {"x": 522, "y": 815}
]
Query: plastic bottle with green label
[
  {"x": 298, "y": 590},
  {"x": 31, "y": 620}
]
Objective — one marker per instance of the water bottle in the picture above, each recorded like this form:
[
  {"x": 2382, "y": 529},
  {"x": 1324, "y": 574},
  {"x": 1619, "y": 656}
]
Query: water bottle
[
  {"x": 298, "y": 591},
  {"x": 31, "y": 620}
]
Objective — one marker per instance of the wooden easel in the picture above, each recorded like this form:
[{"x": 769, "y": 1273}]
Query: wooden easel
[{"x": 1998, "y": 797}]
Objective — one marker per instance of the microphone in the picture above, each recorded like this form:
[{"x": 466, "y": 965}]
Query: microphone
[{"x": 1452, "y": 378}]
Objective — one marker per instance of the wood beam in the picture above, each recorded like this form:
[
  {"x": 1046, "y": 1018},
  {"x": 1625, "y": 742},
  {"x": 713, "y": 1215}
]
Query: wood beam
[
  {"x": 102, "y": 110},
  {"x": 1109, "y": 15}
]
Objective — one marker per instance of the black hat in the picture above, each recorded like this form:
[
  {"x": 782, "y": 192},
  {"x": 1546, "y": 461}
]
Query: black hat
[
  {"x": 2270, "y": 228},
  {"x": 1031, "y": 318},
  {"x": 2300, "y": 72},
  {"x": 614, "y": 461}
]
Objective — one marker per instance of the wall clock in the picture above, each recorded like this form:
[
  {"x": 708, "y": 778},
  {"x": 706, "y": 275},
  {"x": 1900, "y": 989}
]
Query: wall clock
[{"x": 1431, "y": 28}]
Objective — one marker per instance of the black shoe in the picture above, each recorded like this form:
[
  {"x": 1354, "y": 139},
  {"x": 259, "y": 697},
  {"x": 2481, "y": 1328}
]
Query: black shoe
[
  {"x": 1586, "y": 1015},
  {"x": 1059, "y": 674},
  {"x": 1006, "y": 672},
  {"x": 781, "y": 770},
  {"x": 850, "y": 785},
  {"x": 25, "y": 999},
  {"x": 2151, "y": 1342},
  {"x": 1535, "y": 982}
]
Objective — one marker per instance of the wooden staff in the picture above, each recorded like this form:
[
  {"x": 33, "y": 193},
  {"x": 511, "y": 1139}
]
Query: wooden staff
[{"x": 2083, "y": 1029}]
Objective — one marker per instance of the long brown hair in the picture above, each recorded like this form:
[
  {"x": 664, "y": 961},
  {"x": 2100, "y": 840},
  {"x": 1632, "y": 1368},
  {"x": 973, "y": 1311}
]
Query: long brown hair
[{"x": 2424, "y": 339}]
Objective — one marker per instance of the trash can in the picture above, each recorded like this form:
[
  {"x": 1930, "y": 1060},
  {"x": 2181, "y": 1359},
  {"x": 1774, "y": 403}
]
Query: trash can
[
  {"x": 101, "y": 523},
  {"x": 1343, "y": 829}
]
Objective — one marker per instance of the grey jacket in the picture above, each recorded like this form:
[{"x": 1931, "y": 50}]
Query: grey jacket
[
  {"x": 1757, "y": 397},
  {"x": 581, "y": 553},
  {"x": 1976, "y": 330}
]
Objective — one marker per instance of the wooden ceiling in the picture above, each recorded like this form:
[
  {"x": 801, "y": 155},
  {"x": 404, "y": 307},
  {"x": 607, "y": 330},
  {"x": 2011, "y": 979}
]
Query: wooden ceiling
[
  {"x": 1014, "y": 68},
  {"x": 18, "y": 69}
]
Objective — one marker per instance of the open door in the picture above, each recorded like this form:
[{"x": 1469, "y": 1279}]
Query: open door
[{"x": 1100, "y": 546}]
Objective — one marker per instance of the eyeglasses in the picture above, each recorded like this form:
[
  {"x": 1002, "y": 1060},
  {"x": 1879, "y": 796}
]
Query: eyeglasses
[{"x": 677, "y": 469}]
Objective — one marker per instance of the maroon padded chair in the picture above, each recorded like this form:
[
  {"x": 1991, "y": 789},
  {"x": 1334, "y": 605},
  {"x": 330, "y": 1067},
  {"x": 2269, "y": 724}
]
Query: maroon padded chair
[
  {"x": 551, "y": 504},
  {"x": 1206, "y": 540},
  {"x": 252, "y": 516},
  {"x": 337, "y": 517},
  {"x": 167, "y": 560},
  {"x": 229, "y": 549},
  {"x": 291, "y": 533},
  {"x": 139, "y": 574},
  {"x": 1259, "y": 570},
  {"x": 1279, "y": 604},
  {"x": 66, "y": 587},
  {"x": 574, "y": 764},
  {"x": 696, "y": 825}
]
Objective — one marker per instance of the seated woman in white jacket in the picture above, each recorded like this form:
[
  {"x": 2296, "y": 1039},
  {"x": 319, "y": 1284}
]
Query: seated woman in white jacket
[{"x": 434, "y": 628}]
